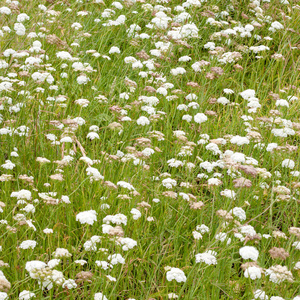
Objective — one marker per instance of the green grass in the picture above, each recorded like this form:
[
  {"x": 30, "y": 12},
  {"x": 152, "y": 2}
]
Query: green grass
[{"x": 164, "y": 232}]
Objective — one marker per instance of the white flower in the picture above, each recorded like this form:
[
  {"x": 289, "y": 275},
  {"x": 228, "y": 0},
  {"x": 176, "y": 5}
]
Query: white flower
[
  {"x": 66, "y": 139},
  {"x": 136, "y": 213},
  {"x": 103, "y": 264},
  {"x": 247, "y": 94},
  {"x": 288, "y": 163},
  {"x": 22, "y": 194},
  {"x": 239, "y": 140},
  {"x": 93, "y": 135},
  {"x": 5, "y": 10},
  {"x": 65, "y": 199},
  {"x": 206, "y": 257},
  {"x": 248, "y": 230},
  {"x": 197, "y": 235},
  {"x": 94, "y": 173},
  {"x": 282, "y": 102},
  {"x": 22, "y": 17},
  {"x": 276, "y": 26},
  {"x": 90, "y": 246},
  {"x": 19, "y": 28},
  {"x": 174, "y": 163},
  {"x": 252, "y": 273},
  {"x": 26, "y": 295},
  {"x": 126, "y": 185},
  {"x": 261, "y": 295},
  {"x": 99, "y": 296},
  {"x": 69, "y": 284},
  {"x": 184, "y": 58},
  {"x": 271, "y": 147},
  {"x": 8, "y": 165},
  {"x": 117, "y": 219},
  {"x": 178, "y": 71},
  {"x": 87, "y": 217},
  {"x": 34, "y": 265},
  {"x": 114, "y": 50},
  {"x": 28, "y": 244},
  {"x": 200, "y": 118},
  {"x": 169, "y": 183},
  {"x": 3, "y": 295},
  {"x": 279, "y": 274},
  {"x": 213, "y": 147},
  {"x": 76, "y": 26},
  {"x": 148, "y": 151},
  {"x": 82, "y": 102},
  {"x": 81, "y": 262},
  {"x": 228, "y": 194},
  {"x": 249, "y": 252},
  {"x": 29, "y": 208},
  {"x": 127, "y": 243},
  {"x": 176, "y": 274},
  {"x": 221, "y": 236},
  {"x": 187, "y": 118},
  {"x": 3, "y": 64},
  {"x": 202, "y": 228},
  {"x": 210, "y": 46},
  {"x": 64, "y": 55},
  {"x": 82, "y": 79},
  {"x": 61, "y": 252},
  {"x": 228, "y": 91},
  {"x": 238, "y": 212},
  {"x": 143, "y": 121},
  {"x": 53, "y": 263},
  {"x": 116, "y": 258}
]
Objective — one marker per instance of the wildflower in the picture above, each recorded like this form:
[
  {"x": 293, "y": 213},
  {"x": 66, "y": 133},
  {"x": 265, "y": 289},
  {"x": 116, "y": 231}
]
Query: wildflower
[
  {"x": 29, "y": 244},
  {"x": 249, "y": 252},
  {"x": 253, "y": 273},
  {"x": 115, "y": 219},
  {"x": 178, "y": 71},
  {"x": 61, "y": 252},
  {"x": 26, "y": 295},
  {"x": 261, "y": 295},
  {"x": 278, "y": 253},
  {"x": 279, "y": 274},
  {"x": 82, "y": 79},
  {"x": 238, "y": 212},
  {"x": 114, "y": 50},
  {"x": 99, "y": 296},
  {"x": 288, "y": 163},
  {"x": 169, "y": 183},
  {"x": 200, "y": 118},
  {"x": 208, "y": 257},
  {"x": 228, "y": 194},
  {"x": 116, "y": 258},
  {"x": 69, "y": 284},
  {"x": 87, "y": 217},
  {"x": 127, "y": 243},
  {"x": 176, "y": 274},
  {"x": 143, "y": 121}
]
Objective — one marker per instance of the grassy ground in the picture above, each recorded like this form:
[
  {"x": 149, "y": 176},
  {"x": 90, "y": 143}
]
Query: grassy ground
[{"x": 234, "y": 169}]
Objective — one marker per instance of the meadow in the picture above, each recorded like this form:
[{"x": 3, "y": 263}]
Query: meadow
[{"x": 149, "y": 149}]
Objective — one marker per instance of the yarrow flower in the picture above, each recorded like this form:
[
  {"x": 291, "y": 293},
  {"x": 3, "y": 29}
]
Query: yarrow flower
[
  {"x": 176, "y": 274},
  {"x": 208, "y": 257},
  {"x": 253, "y": 273},
  {"x": 87, "y": 217},
  {"x": 288, "y": 163},
  {"x": 249, "y": 252}
]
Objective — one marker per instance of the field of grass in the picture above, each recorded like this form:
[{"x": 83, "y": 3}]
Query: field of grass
[{"x": 149, "y": 149}]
